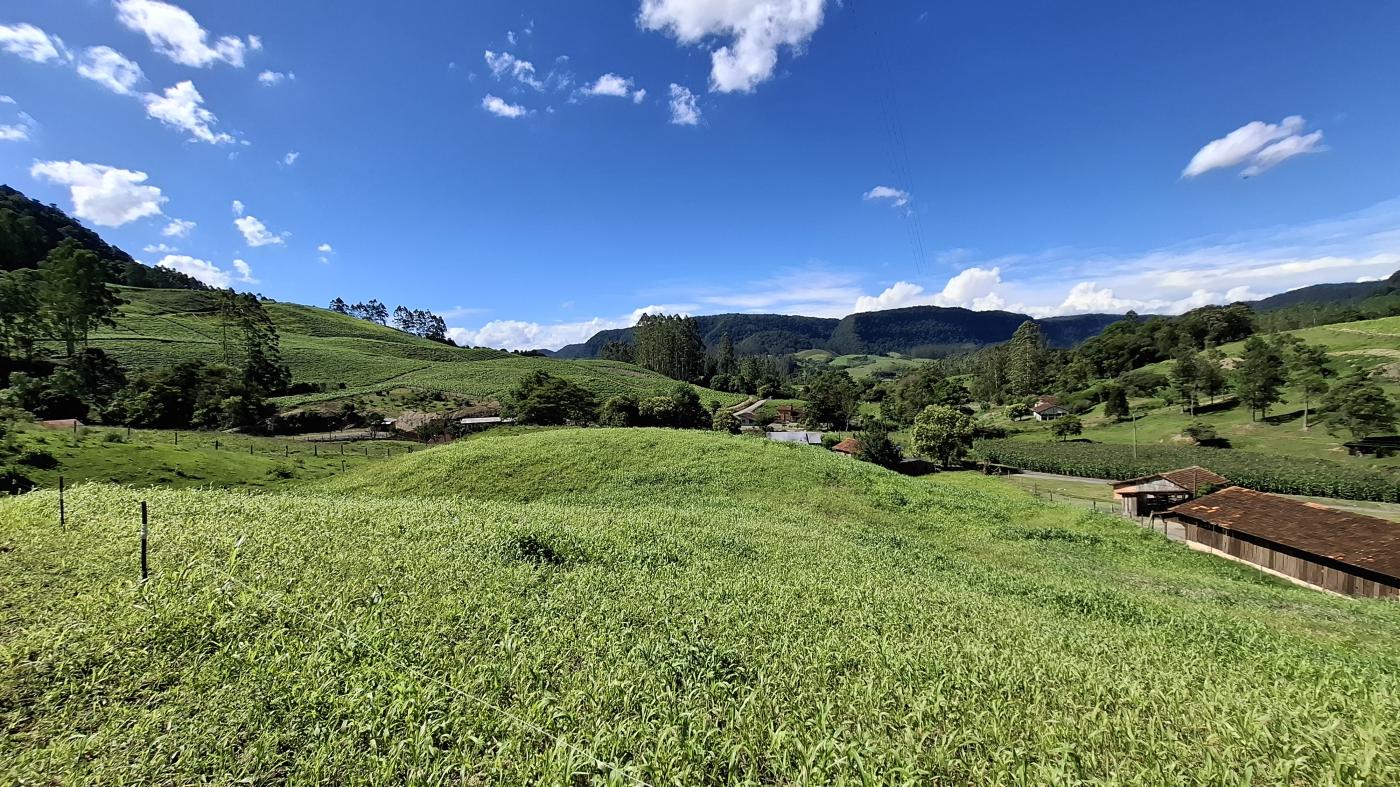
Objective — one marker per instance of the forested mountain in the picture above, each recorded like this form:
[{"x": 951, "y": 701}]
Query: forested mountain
[
  {"x": 752, "y": 334},
  {"x": 1334, "y": 294},
  {"x": 916, "y": 330},
  {"x": 29, "y": 230}
]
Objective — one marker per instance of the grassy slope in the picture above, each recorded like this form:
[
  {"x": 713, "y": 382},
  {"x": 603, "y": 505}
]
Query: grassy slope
[
  {"x": 153, "y": 458},
  {"x": 165, "y": 326},
  {"x": 862, "y": 366},
  {"x": 685, "y": 607},
  {"x": 1353, "y": 345}
]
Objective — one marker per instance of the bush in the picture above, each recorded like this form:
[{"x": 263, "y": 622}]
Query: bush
[
  {"x": 1264, "y": 472},
  {"x": 1200, "y": 431},
  {"x": 37, "y": 457},
  {"x": 725, "y": 421}
]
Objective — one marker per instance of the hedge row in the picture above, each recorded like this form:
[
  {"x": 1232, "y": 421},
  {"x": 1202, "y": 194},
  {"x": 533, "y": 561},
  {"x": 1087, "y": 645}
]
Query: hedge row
[{"x": 1264, "y": 472}]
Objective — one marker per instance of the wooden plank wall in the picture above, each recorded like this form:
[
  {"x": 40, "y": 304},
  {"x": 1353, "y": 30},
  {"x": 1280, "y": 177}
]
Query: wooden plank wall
[{"x": 1327, "y": 577}]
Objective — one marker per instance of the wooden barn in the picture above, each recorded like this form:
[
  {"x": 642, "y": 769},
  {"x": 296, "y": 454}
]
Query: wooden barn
[
  {"x": 1345, "y": 553},
  {"x": 1158, "y": 492}
]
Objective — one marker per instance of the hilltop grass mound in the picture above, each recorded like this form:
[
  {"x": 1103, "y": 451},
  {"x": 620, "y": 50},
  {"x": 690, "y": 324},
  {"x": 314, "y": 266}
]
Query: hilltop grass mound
[
  {"x": 624, "y": 606},
  {"x": 349, "y": 356}
]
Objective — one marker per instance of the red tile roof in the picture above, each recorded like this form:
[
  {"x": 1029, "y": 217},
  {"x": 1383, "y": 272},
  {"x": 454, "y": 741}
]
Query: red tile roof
[
  {"x": 1191, "y": 478},
  {"x": 1043, "y": 406},
  {"x": 848, "y": 446},
  {"x": 1351, "y": 539}
]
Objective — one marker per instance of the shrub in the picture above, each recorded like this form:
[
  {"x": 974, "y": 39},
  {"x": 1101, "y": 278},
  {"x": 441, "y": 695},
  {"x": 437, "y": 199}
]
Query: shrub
[{"x": 1200, "y": 431}]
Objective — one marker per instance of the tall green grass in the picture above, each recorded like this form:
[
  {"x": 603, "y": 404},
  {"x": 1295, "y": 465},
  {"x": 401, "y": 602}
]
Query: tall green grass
[{"x": 616, "y": 606}]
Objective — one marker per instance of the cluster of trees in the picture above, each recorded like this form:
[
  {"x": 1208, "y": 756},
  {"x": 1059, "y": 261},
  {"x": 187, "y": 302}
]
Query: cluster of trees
[
  {"x": 419, "y": 322},
  {"x": 541, "y": 398},
  {"x": 67, "y": 297},
  {"x": 672, "y": 345}
]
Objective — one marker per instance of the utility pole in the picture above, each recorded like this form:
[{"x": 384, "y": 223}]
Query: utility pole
[{"x": 1134, "y": 417}]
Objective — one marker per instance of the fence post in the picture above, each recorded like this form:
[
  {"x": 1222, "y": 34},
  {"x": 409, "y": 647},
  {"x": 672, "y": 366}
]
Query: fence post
[
  {"x": 62, "y": 512},
  {"x": 144, "y": 573},
  {"x": 286, "y": 450},
  {"x": 342, "y": 465},
  {"x": 177, "y": 438},
  {"x": 315, "y": 450},
  {"x": 250, "y": 449},
  {"x": 216, "y": 444}
]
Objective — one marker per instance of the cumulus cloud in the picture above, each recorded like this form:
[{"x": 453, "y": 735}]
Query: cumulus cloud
[
  {"x": 237, "y": 207},
  {"x": 973, "y": 288},
  {"x": 182, "y": 107},
  {"x": 610, "y": 85},
  {"x": 896, "y": 197},
  {"x": 291, "y": 158},
  {"x": 245, "y": 273},
  {"x": 31, "y": 43},
  {"x": 502, "y": 108},
  {"x": 684, "y": 111},
  {"x": 110, "y": 68},
  {"x": 274, "y": 78},
  {"x": 159, "y": 248},
  {"x": 326, "y": 251},
  {"x": 175, "y": 33},
  {"x": 106, "y": 196},
  {"x": 255, "y": 233},
  {"x": 177, "y": 228},
  {"x": 504, "y": 64},
  {"x": 1264, "y": 145},
  {"x": 754, "y": 29}
]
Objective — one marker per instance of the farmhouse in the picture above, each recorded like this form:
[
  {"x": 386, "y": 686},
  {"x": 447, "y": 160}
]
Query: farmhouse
[
  {"x": 483, "y": 422},
  {"x": 1048, "y": 409},
  {"x": 850, "y": 447},
  {"x": 1333, "y": 550},
  {"x": 1160, "y": 491}
]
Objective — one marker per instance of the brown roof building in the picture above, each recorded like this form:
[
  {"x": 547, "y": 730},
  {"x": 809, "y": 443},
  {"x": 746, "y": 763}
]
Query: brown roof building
[
  {"x": 1346, "y": 553},
  {"x": 1158, "y": 492},
  {"x": 850, "y": 446}
]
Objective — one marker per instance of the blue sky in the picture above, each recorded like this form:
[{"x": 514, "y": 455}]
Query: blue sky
[{"x": 500, "y": 163}]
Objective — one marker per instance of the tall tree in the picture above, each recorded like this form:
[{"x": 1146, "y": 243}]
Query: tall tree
[
  {"x": 942, "y": 433},
  {"x": 1359, "y": 406},
  {"x": 670, "y": 345},
  {"x": 339, "y": 306},
  {"x": 1186, "y": 378},
  {"x": 1027, "y": 358},
  {"x": 1307, "y": 368},
  {"x": 75, "y": 298},
  {"x": 727, "y": 365},
  {"x": 1259, "y": 377},
  {"x": 21, "y": 318},
  {"x": 832, "y": 398}
]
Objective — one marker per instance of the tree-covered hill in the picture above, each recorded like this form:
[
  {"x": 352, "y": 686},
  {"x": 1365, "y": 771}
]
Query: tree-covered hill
[
  {"x": 752, "y": 334},
  {"x": 29, "y": 230},
  {"x": 1342, "y": 293}
]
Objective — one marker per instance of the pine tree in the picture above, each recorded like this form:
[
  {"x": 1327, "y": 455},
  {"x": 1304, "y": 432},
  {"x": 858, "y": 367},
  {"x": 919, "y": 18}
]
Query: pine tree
[
  {"x": 1259, "y": 376},
  {"x": 1307, "y": 367},
  {"x": 1027, "y": 358}
]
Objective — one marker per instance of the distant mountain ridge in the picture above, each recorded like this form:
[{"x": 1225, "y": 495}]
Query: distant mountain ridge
[
  {"x": 1343, "y": 293},
  {"x": 914, "y": 330}
]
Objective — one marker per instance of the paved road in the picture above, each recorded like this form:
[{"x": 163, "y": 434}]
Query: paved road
[{"x": 751, "y": 407}]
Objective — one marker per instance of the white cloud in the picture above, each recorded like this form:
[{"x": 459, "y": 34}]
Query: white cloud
[
  {"x": 756, "y": 29},
  {"x": 182, "y": 107},
  {"x": 504, "y": 63},
  {"x": 106, "y": 196},
  {"x": 6, "y": 100},
  {"x": 639, "y": 95},
  {"x": 177, "y": 228},
  {"x": 897, "y": 197},
  {"x": 255, "y": 233},
  {"x": 684, "y": 111},
  {"x": 245, "y": 273},
  {"x": 17, "y": 132},
  {"x": 1265, "y": 145},
  {"x": 31, "y": 43},
  {"x": 326, "y": 252},
  {"x": 208, "y": 272},
  {"x": 973, "y": 288},
  {"x": 173, "y": 32},
  {"x": 237, "y": 207},
  {"x": 610, "y": 85},
  {"x": 502, "y": 108},
  {"x": 291, "y": 158},
  {"x": 110, "y": 68},
  {"x": 159, "y": 248},
  {"x": 1283, "y": 150},
  {"x": 274, "y": 78}
]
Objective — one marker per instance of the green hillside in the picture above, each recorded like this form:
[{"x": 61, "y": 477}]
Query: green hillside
[
  {"x": 1372, "y": 345},
  {"x": 323, "y": 348},
  {"x": 664, "y": 607}
]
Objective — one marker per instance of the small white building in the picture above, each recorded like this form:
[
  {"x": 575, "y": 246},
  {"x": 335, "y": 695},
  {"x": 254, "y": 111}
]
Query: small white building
[{"x": 1048, "y": 411}]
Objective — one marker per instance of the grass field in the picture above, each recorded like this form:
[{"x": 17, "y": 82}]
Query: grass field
[
  {"x": 192, "y": 459},
  {"x": 862, "y": 366},
  {"x": 158, "y": 327},
  {"x": 649, "y": 606},
  {"x": 1358, "y": 345}
]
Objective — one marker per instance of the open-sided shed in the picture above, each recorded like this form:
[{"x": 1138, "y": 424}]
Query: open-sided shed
[
  {"x": 1346, "y": 553},
  {"x": 1150, "y": 494}
]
